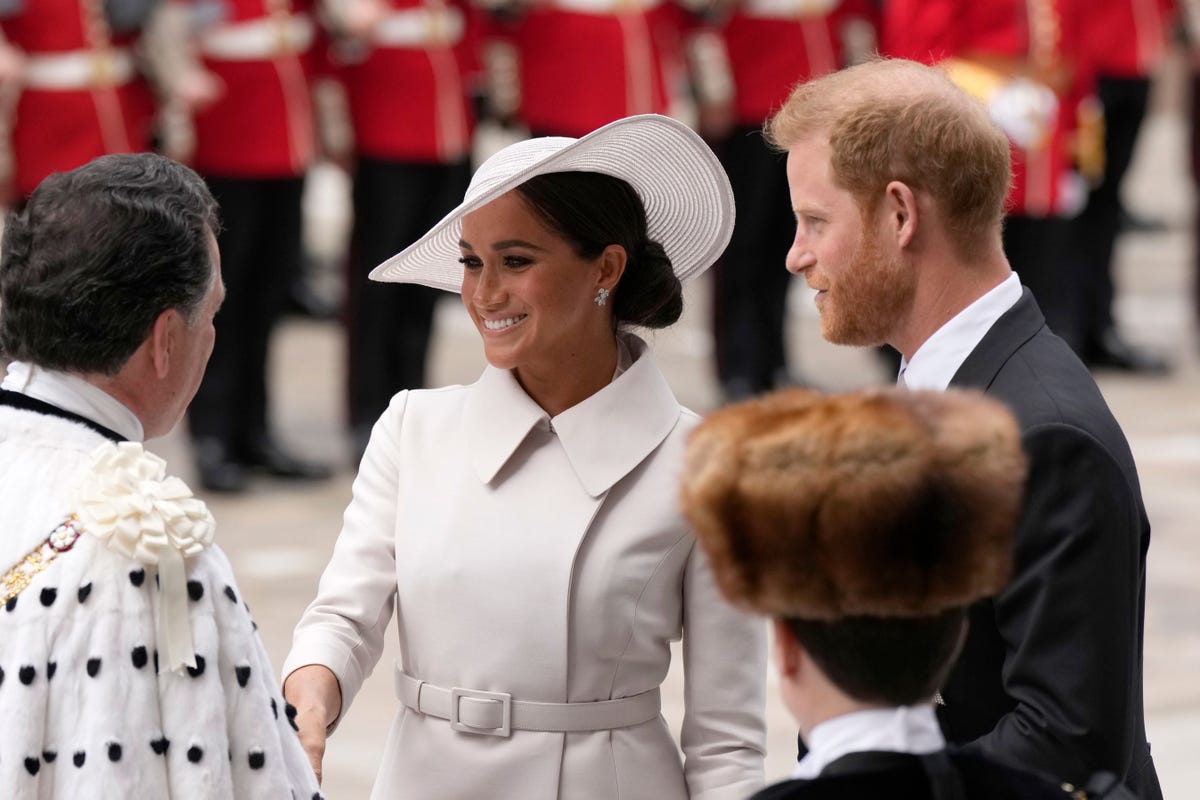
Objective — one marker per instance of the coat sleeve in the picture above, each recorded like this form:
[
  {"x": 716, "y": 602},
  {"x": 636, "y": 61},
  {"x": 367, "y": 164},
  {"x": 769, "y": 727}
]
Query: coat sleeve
[
  {"x": 343, "y": 627},
  {"x": 1070, "y": 619},
  {"x": 725, "y": 666}
]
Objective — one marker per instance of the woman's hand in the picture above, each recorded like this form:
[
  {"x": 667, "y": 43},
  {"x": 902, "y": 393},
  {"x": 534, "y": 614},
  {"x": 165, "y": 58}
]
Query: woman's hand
[{"x": 317, "y": 697}]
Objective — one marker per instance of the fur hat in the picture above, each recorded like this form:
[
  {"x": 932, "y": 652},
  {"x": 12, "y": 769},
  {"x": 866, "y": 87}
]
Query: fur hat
[{"x": 884, "y": 503}]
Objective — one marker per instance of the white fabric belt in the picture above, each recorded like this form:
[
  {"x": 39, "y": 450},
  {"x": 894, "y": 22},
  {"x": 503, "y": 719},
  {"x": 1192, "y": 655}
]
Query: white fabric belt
[
  {"x": 258, "y": 39},
  {"x": 78, "y": 69},
  {"x": 416, "y": 27},
  {"x": 787, "y": 9},
  {"x": 604, "y": 6},
  {"x": 497, "y": 714}
]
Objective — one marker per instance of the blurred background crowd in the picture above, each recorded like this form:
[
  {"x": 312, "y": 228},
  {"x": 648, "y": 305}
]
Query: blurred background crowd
[
  {"x": 334, "y": 133},
  {"x": 370, "y": 113}
]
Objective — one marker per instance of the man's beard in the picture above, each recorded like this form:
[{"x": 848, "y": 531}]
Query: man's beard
[{"x": 866, "y": 303}]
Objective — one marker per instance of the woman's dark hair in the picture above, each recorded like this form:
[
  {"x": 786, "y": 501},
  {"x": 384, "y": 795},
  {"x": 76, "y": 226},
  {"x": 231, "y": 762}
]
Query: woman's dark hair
[
  {"x": 899, "y": 661},
  {"x": 592, "y": 211},
  {"x": 97, "y": 254}
]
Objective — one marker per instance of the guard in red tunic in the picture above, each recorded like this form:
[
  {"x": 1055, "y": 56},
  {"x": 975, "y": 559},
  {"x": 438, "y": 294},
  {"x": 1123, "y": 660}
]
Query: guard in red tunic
[
  {"x": 81, "y": 95},
  {"x": 404, "y": 65},
  {"x": 1128, "y": 40},
  {"x": 254, "y": 143},
  {"x": 743, "y": 68},
  {"x": 1026, "y": 59},
  {"x": 584, "y": 63}
]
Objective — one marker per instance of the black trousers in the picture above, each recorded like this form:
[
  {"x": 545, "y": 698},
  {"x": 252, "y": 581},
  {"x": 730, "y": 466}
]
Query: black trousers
[
  {"x": 260, "y": 254},
  {"x": 751, "y": 281},
  {"x": 1095, "y": 230},
  {"x": 1039, "y": 250},
  {"x": 389, "y": 324}
]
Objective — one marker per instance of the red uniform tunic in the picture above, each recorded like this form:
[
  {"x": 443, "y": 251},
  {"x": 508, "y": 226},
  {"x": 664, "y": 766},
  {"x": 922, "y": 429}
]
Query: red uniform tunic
[
  {"x": 65, "y": 118},
  {"x": 1127, "y": 37},
  {"x": 585, "y": 63},
  {"x": 407, "y": 93},
  {"x": 262, "y": 124},
  {"x": 774, "y": 44},
  {"x": 1040, "y": 36}
]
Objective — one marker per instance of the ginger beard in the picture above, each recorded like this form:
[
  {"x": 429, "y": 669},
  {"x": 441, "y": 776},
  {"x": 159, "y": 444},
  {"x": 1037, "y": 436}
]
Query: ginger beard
[{"x": 866, "y": 302}]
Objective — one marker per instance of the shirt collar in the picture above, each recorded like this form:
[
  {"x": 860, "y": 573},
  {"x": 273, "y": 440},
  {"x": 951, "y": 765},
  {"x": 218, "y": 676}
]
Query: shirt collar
[
  {"x": 903, "y": 729},
  {"x": 74, "y": 394},
  {"x": 605, "y": 437},
  {"x": 936, "y": 361}
]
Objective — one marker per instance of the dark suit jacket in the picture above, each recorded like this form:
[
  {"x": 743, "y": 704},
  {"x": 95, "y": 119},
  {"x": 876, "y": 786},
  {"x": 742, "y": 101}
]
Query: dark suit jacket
[
  {"x": 901, "y": 776},
  {"x": 1051, "y": 674}
]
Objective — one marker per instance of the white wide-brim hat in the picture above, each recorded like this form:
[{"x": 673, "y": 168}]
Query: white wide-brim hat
[{"x": 686, "y": 193}]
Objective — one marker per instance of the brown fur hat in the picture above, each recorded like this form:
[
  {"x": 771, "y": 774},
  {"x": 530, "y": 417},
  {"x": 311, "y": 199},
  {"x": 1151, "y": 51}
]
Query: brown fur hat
[{"x": 883, "y": 503}]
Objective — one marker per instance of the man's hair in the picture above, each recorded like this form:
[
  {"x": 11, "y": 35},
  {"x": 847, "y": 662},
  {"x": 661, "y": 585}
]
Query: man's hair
[
  {"x": 97, "y": 254},
  {"x": 891, "y": 119},
  {"x": 894, "y": 661}
]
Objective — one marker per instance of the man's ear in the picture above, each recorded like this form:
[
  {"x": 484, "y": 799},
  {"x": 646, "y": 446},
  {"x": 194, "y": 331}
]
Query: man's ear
[
  {"x": 162, "y": 341},
  {"x": 787, "y": 649},
  {"x": 901, "y": 213}
]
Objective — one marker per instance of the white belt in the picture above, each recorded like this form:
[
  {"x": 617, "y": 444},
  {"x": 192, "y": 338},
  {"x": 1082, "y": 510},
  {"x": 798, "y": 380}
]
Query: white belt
[
  {"x": 416, "y": 27},
  {"x": 258, "y": 39},
  {"x": 497, "y": 714},
  {"x": 78, "y": 69},
  {"x": 604, "y": 6},
  {"x": 787, "y": 9}
]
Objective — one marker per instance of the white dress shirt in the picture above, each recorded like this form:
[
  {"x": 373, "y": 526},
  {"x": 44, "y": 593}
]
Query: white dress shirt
[
  {"x": 903, "y": 729},
  {"x": 935, "y": 362},
  {"x": 74, "y": 394}
]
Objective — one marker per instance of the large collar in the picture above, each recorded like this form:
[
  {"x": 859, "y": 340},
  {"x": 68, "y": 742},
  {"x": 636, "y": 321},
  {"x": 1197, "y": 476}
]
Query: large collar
[{"x": 605, "y": 437}]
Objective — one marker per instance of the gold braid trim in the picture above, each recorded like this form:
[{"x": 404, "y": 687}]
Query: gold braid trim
[{"x": 60, "y": 540}]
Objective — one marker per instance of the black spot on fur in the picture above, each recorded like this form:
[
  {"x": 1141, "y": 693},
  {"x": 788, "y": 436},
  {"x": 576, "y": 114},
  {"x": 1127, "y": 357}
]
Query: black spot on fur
[
  {"x": 257, "y": 759},
  {"x": 290, "y": 710},
  {"x": 139, "y": 656},
  {"x": 79, "y": 758},
  {"x": 194, "y": 754},
  {"x": 243, "y": 675},
  {"x": 11, "y": 604},
  {"x": 156, "y": 659},
  {"x": 195, "y": 590},
  {"x": 231, "y": 594},
  {"x": 49, "y": 755},
  {"x": 51, "y": 668},
  {"x": 27, "y": 673},
  {"x": 93, "y": 667},
  {"x": 114, "y": 751},
  {"x": 274, "y": 708},
  {"x": 83, "y": 592},
  {"x": 137, "y": 577},
  {"x": 32, "y": 765},
  {"x": 159, "y": 746},
  {"x": 197, "y": 670},
  {"x": 48, "y": 596}
]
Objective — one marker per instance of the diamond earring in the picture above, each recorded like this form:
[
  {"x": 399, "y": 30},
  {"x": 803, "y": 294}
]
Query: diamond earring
[{"x": 601, "y": 296}]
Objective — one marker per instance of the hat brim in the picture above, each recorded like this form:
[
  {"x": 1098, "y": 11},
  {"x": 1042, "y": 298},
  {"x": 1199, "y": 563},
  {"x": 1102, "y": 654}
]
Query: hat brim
[{"x": 686, "y": 193}]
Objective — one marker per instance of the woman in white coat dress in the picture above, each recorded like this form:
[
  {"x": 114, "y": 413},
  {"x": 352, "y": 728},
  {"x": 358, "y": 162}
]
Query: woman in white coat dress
[{"x": 525, "y": 528}]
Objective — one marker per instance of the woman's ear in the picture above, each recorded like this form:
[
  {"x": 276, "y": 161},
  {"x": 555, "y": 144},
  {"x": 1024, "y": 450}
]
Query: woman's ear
[{"x": 612, "y": 266}]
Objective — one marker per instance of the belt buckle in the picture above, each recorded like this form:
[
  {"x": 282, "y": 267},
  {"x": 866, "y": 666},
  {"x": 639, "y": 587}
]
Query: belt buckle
[{"x": 505, "y": 700}]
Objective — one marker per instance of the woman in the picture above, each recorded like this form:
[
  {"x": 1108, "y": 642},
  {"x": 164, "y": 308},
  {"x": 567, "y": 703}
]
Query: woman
[{"x": 525, "y": 527}]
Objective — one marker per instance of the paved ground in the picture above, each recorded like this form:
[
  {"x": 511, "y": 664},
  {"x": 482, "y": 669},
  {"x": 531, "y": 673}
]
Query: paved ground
[{"x": 279, "y": 536}]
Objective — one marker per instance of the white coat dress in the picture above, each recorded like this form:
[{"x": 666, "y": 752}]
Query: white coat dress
[{"x": 546, "y": 559}]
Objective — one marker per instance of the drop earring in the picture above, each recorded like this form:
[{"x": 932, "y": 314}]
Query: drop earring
[{"x": 601, "y": 296}]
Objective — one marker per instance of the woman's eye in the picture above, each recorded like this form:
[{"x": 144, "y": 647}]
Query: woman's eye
[
  {"x": 516, "y": 261},
  {"x": 471, "y": 262}
]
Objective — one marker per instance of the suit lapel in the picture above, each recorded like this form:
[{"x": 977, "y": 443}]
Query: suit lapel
[{"x": 1017, "y": 326}]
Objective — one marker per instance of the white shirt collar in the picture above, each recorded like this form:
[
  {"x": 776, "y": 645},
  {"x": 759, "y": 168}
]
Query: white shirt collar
[
  {"x": 74, "y": 394},
  {"x": 903, "y": 729},
  {"x": 935, "y": 362}
]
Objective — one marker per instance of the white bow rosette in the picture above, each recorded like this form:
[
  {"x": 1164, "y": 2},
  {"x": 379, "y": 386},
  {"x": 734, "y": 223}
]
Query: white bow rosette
[{"x": 128, "y": 501}]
